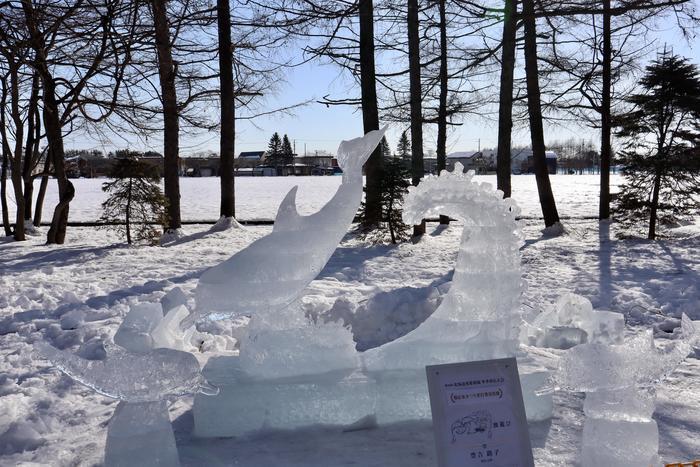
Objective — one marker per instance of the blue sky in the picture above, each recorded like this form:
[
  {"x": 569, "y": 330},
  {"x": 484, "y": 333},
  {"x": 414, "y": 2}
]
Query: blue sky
[{"x": 317, "y": 127}]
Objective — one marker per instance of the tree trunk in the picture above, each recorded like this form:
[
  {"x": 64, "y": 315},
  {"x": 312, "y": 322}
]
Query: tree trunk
[
  {"x": 31, "y": 147},
  {"x": 654, "y": 206},
  {"x": 16, "y": 161},
  {"x": 417, "y": 168},
  {"x": 544, "y": 188},
  {"x": 127, "y": 217},
  {"x": 171, "y": 126},
  {"x": 3, "y": 196},
  {"x": 605, "y": 143},
  {"x": 370, "y": 115},
  {"x": 54, "y": 135},
  {"x": 5, "y": 162},
  {"x": 39, "y": 205},
  {"x": 442, "y": 105},
  {"x": 52, "y": 125},
  {"x": 505, "y": 107},
  {"x": 228, "y": 119},
  {"x": 3, "y": 185}
]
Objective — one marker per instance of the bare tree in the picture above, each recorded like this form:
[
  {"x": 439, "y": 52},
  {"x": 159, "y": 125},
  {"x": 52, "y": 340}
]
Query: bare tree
[
  {"x": 370, "y": 113},
  {"x": 417, "y": 168},
  {"x": 544, "y": 187},
  {"x": 228, "y": 118},
  {"x": 505, "y": 106}
]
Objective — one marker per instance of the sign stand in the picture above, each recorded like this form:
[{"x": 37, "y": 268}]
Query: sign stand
[{"x": 478, "y": 414}]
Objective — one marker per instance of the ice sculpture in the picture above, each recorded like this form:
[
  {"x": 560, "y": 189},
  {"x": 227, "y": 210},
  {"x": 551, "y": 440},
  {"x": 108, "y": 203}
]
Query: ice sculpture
[
  {"x": 143, "y": 379},
  {"x": 156, "y": 375},
  {"x": 619, "y": 382},
  {"x": 478, "y": 318},
  {"x": 273, "y": 271},
  {"x": 290, "y": 371}
]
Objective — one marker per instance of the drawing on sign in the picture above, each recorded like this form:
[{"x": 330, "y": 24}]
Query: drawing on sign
[{"x": 476, "y": 422}]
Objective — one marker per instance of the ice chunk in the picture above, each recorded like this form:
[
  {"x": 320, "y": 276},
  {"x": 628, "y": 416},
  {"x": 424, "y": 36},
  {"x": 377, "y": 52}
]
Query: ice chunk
[
  {"x": 167, "y": 333},
  {"x": 140, "y": 434},
  {"x": 619, "y": 443},
  {"x": 573, "y": 309},
  {"x": 247, "y": 405},
  {"x": 173, "y": 299},
  {"x": 135, "y": 377},
  {"x": 630, "y": 405},
  {"x": 601, "y": 326},
  {"x": 563, "y": 337},
  {"x": 134, "y": 334},
  {"x": 273, "y": 271}
]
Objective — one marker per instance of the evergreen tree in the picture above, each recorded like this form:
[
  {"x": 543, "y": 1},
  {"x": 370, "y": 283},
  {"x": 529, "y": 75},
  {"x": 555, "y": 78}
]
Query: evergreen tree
[
  {"x": 395, "y": 180},
  {"x": 660, "y": 158},
  {"x": 287, "y": 151},
  {"x": 403, "y": 149},
  {"x": 135, "y": 199},
  {"x": 274, "y": 152}
]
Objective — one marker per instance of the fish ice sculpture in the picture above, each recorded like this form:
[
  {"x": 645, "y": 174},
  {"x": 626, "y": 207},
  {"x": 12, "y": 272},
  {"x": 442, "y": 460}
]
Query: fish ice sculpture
[
  {"x": 274, "y": 270},
  {"x": 157, "y": 375},
  {"x": 636, "y": 363}
]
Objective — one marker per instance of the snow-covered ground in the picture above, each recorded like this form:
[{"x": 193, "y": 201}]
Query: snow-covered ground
[
  {"x": 258, "y": 197},
  {"x": 75, "y": 295}
]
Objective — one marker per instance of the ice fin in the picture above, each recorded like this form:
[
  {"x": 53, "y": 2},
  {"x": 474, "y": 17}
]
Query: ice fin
[{"x": 287, "y": 215}]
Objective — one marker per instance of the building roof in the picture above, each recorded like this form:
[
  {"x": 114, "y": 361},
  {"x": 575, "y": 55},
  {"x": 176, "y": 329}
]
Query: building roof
[
  {"x": 251, "y": 155},
  {"x": 463, "y": 154},
  {"x": 525, "y": 153}
]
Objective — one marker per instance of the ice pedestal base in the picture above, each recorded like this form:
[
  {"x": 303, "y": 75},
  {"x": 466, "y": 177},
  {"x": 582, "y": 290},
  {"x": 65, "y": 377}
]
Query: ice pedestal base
[
  {"x": 403, "y": 395},
  {"x": 341, "y": 398},
  {"x": 246, "y": 405},
  {"x": 139, "y": 435},
  {"x": 619, "y": 443}
]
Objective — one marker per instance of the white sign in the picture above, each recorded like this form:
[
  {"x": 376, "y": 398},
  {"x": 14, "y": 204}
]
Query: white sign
[{"x": 478, "y": 414}]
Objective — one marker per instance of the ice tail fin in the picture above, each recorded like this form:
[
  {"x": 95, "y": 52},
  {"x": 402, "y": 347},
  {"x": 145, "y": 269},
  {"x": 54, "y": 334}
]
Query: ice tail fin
[{"x": 354, "y": 153}]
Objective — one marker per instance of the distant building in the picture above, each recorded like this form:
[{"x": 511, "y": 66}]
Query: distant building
[
  {"x": 477, "y": 161},
  {"x": 200, "y": 166},
  {"x": 522, "y": 161}
]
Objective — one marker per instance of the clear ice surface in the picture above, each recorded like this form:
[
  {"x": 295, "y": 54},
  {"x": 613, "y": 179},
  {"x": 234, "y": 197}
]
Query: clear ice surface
[
  {"x": 134, "y": 333},
  {"x": 619, "y": 443},
  {"x": 173, "y": 299},
  {"x": 135, "y": 377},
  {"x": 140, "y": 434}
]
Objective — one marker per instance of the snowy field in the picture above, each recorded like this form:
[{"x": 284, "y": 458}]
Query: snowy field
[
  {"x": 75, "y": 295},
  {"x": 258, "y": 197}
]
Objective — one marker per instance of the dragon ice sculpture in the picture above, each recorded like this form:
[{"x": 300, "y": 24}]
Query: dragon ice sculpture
[
  {"x": 477, "y": 319},
  {"x": 273, "y": 271}
]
